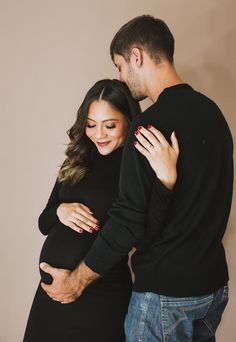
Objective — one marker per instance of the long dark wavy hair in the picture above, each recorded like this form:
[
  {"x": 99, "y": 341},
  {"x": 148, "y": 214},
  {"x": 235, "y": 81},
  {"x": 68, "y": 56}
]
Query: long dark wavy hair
[{"x": 79, "y": 150}]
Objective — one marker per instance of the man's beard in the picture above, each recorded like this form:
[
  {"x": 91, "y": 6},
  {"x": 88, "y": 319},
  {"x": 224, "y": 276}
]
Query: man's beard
[
  {"x": 134, "y": 88},
  {"x": 138, "y": 97}
]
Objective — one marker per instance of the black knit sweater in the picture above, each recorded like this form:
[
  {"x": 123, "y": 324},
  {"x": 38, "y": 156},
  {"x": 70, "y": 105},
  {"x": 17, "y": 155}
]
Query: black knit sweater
[{"x": 181, "y": 255}]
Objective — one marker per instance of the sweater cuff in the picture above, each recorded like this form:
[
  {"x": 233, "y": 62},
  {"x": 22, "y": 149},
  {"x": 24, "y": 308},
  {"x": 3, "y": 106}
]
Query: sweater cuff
[
  {"x": 101, "y": 258},
  {"x": 54, "y": 216},
  {"x": 161, "y": 188}
]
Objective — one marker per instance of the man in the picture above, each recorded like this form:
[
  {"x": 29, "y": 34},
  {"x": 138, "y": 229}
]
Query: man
[{"x": 181, "y": 275}]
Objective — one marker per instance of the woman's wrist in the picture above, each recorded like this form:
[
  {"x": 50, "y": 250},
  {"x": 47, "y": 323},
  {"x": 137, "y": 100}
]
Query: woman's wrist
[
  {"x": 59, "y": 209},
  {"x": 170, "y": 181}
]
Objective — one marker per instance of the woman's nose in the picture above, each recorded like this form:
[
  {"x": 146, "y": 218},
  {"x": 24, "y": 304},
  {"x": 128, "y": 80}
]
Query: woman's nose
[{"x": 100, "y": 133}]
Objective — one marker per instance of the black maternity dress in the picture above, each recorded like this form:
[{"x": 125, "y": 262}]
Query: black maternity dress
[{"x": 98, "y": 315}]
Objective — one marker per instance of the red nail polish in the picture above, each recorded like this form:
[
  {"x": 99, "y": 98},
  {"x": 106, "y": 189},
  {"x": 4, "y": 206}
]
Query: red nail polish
[
  {"x": 149, "y": 126},
  {"x": 139, "y": 127},
  {"x": 136, "y": 132},
  {"x": 97, "y": 228},
  {"x": 81, "y": 231},
  {"x": 174, "y": 134},
  {"x": 135, "y": 143}
]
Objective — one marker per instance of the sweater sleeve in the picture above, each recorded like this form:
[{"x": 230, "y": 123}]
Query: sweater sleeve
[
  {"x": 48, "y": 218},
  {"x": 128, "y": 216},
  {"x": 159, "y": 204}
]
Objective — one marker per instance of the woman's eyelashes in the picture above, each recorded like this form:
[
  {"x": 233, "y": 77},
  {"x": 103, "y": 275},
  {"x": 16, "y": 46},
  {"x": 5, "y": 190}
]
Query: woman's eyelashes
[
  {"x": 90, "y": 126},
  {"x": 109, "y": 127}
]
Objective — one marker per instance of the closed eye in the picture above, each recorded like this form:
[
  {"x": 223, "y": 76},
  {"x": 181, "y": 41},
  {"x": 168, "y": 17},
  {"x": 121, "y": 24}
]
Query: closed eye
[{"x": 90, "y": 126}]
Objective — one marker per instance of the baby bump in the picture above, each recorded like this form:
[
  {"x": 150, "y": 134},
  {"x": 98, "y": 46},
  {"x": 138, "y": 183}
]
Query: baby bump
[{"x": 64, "y": 248}]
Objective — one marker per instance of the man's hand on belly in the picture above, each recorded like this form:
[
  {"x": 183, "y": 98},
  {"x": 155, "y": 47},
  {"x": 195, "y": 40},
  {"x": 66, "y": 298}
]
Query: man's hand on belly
[{"x": 67, "y": 286}]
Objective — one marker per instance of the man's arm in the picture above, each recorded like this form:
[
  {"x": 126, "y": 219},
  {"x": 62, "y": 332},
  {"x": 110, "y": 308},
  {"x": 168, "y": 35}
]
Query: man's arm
[
  {"x": 124, "y": 228},
  {"x": 127, "y": 224},
  {"x": 162, "y": 157},
  {"x": 128, "y": 215}
]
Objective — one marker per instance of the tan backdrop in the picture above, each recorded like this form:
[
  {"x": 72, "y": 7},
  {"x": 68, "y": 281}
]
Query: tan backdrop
[{"x": 52, "y": 51}]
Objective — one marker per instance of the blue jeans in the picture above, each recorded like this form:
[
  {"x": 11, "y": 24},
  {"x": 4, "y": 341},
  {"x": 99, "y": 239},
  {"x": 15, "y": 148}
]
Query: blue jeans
[{"x": 152, "y": 317}]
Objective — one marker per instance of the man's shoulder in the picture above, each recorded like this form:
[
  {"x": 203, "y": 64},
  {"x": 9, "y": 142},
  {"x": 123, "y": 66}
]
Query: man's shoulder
[
  {"x": 147, "y": 114},
  {"x": 203, "y": 98},
  {"x": 178, "y": 105}
]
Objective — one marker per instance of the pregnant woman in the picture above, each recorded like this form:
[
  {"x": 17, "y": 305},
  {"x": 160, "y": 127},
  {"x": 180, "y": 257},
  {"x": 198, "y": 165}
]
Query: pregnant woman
[{"x": 85, "y": 188}]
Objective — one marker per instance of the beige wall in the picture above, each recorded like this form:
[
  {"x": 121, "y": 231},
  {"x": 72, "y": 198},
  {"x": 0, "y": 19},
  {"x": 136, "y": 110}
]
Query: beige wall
[{"x": 51, "y": 52}]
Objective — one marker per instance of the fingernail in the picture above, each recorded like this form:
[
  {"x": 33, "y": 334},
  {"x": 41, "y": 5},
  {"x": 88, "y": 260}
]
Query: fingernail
[
  {"x": 81, "y": 231},
  {"x": 91, "y": 230},
  {"x": 139, "y": 128},
  {"x": 42, "y": 264},
  {"x": 149, "y": 126},
  {"x": 97, "y": 228},
  {"x": 135, "y": 143},
  {"x": 136, "y": 132},
  {"x": 174, "y": 134}
]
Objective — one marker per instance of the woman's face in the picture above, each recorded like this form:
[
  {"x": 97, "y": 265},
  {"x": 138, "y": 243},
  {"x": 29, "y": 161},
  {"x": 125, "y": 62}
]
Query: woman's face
[{"x": 106, "y": 126}]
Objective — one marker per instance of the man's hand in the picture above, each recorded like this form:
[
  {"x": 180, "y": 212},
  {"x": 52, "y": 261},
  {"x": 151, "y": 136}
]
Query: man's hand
[{"x": 67, "y": 286}]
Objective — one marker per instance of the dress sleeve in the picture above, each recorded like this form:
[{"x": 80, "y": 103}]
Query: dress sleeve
[
  {"x": 48, "y": 218},
  {"x": 129, "y": 214}
]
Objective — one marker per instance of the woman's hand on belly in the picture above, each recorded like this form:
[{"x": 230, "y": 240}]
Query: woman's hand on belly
[{"x": 78, "y": 217}]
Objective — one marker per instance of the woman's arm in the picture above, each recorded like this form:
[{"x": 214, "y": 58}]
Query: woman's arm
[
  {"x": 76, "y": 216},
  {"x": 48, "y": 218}
]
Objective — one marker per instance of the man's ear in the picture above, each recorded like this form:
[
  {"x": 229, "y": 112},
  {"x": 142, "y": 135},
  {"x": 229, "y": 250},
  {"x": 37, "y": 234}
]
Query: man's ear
[{"x": 137, "y": 56}]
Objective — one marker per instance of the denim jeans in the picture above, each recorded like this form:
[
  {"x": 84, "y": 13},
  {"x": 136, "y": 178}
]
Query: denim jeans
[{"x": 152, "y": 317}]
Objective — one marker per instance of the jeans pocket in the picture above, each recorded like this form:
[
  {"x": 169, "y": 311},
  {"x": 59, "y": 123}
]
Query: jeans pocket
[
  {"x": 178, "y": 313},
  {"x": 171, "y": 319}
]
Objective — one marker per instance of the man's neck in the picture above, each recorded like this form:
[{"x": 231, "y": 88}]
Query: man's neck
[{"x": 161, "y": 77}]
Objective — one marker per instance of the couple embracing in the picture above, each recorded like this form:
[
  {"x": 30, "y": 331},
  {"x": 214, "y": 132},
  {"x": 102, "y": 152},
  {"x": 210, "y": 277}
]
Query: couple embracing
[{"x": 126, "y": 182}]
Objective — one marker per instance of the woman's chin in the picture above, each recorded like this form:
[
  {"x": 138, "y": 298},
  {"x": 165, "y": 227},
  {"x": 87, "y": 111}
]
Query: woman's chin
[{"x": 105, "y": 150}]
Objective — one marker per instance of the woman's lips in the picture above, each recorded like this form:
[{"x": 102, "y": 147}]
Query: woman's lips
[{"x": 103, "y": 144}]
